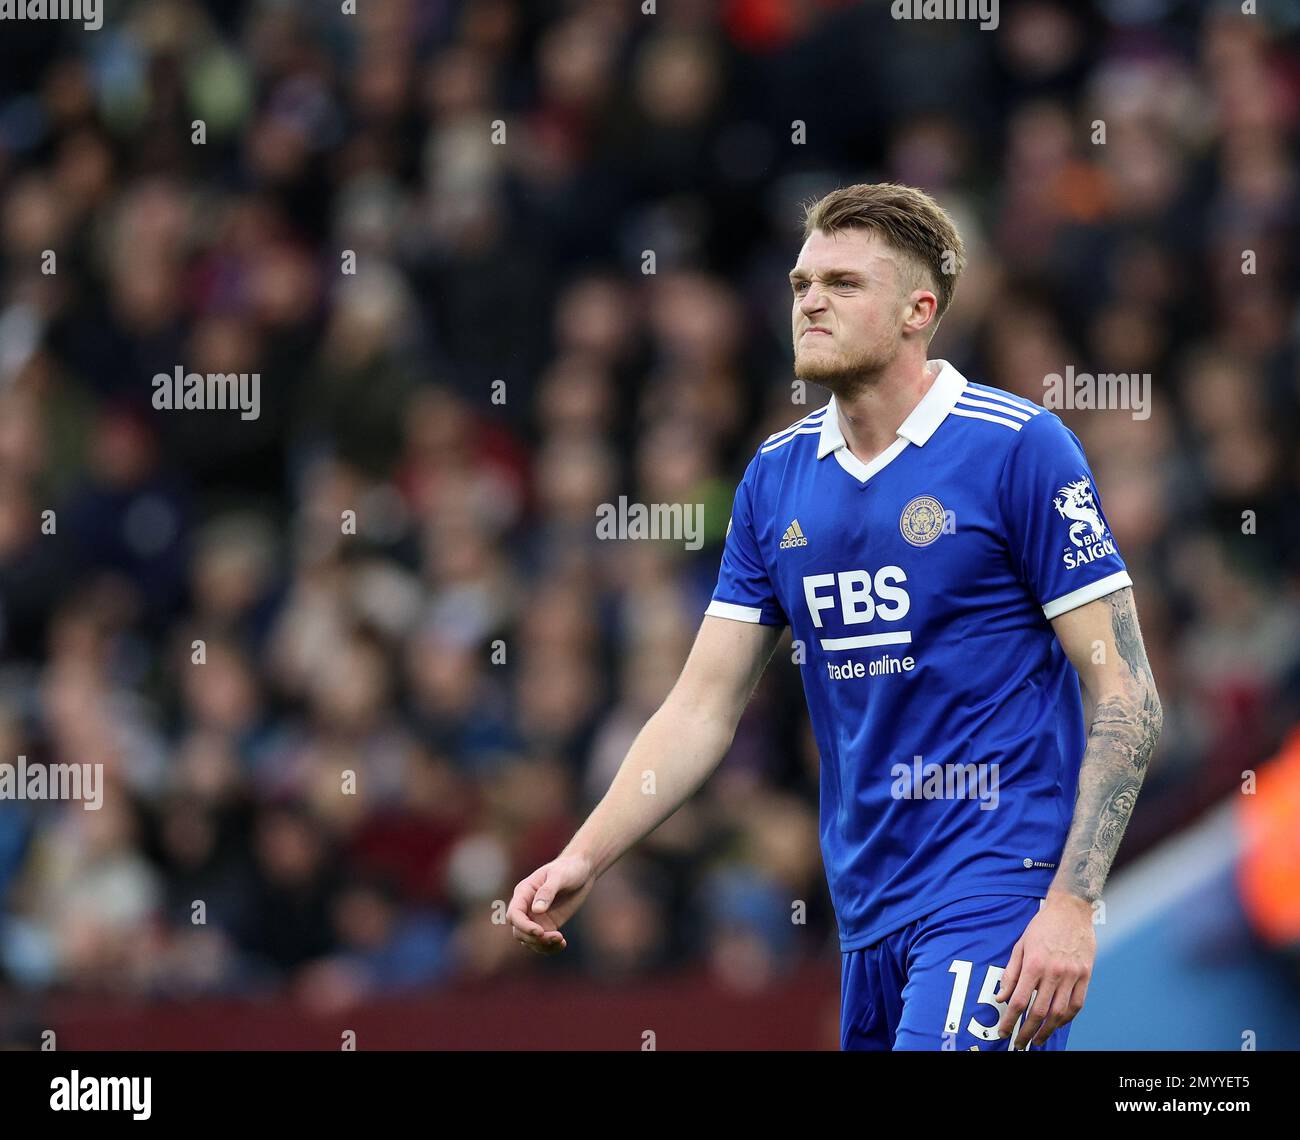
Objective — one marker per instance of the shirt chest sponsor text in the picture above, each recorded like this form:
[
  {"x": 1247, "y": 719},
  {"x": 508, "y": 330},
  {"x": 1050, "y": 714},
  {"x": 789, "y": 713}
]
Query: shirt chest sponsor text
[{"x": 870, "y": 606}]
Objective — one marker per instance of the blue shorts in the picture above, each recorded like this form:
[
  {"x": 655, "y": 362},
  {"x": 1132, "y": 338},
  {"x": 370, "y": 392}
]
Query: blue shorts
[{"x": 930, "y": 985}]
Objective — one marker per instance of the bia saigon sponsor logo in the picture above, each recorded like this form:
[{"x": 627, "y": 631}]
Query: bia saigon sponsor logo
[{"x": 1075, "y": 501}]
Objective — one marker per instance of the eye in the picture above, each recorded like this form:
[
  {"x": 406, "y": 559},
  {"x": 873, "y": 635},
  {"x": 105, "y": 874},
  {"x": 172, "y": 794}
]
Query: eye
[{"x": 797, "y": 285}]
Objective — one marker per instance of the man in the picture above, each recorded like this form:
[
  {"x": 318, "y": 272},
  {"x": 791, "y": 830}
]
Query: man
[{"x": 939, "y": 551}]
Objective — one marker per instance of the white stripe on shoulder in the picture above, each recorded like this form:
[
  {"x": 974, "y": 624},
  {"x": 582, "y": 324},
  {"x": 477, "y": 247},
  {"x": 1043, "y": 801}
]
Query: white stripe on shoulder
[
  {"x": 812, "y": 429},
  {"x": 812, "y": 417},
  {"x": 990, "y": 406},
  {"x": 984, "y": 392},
  {"x": 985, "y": 416}
]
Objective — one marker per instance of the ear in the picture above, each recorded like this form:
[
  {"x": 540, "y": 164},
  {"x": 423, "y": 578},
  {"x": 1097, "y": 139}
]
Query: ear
[{"x": 921, "y": 312}]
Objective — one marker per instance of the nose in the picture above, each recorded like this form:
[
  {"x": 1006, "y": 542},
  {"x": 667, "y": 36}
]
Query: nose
[{"x": 812, "y": 301}]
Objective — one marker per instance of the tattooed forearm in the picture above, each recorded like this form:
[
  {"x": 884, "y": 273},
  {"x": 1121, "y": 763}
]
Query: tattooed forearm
[
  {"x": 1125, "y": 726},
  {"x": 1128, "y": 640}
]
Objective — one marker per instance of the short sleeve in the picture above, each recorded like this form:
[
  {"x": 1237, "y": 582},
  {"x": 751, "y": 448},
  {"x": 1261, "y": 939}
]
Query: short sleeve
[
  {"x": 744, "y": 591},
  {"x": 1059, "y": 539}
]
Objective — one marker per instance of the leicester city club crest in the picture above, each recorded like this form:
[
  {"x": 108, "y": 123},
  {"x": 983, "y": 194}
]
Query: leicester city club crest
[{"x": 922, "y": 520}]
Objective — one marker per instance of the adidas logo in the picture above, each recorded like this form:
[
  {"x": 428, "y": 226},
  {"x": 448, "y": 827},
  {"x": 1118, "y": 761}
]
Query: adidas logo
[{"x": 793, "y": 536}]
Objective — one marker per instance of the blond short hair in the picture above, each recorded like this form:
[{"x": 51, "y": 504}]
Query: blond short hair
[{"x": 908, "y": 220}]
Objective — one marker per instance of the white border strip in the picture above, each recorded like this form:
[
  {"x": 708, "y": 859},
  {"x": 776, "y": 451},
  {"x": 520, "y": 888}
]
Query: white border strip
[
  {"x": 992, "y": 419},
  {"x": 815, "y": 429},
  {"x": 837, "y": 643},
  {"x": 1085, "y": 594},
  {"x": 735, "y": 612},
  {"x": 808, "y": 419},
  {"x": 984, "y": 392},
  {"x": 990, "y": 406}
]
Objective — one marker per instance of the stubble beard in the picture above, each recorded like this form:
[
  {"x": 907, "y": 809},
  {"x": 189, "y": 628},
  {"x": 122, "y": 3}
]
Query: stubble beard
[{"x": 843, "y": 376}]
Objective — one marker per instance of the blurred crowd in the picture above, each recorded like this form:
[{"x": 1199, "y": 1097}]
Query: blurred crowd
[{"x": 331, "y": 751}]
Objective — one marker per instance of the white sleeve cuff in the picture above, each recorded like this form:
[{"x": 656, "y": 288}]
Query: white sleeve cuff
[
  {"x": 1085, "y": 594},
  {"x": 751, "y": 614}
]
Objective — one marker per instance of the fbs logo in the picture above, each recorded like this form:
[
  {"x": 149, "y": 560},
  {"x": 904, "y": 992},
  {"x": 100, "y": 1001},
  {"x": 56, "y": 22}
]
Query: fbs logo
[{"x": 793, "y": 536}]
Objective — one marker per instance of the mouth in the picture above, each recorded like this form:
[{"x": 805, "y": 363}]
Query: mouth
[{"x": 814, "y": 329}]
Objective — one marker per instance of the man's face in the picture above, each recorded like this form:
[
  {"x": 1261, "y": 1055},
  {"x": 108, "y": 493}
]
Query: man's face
[{"x": 854, "y": 287}]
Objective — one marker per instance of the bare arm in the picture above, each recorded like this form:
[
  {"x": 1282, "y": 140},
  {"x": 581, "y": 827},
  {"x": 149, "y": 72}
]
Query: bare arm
[
  {"x": 683, "y": 742},
  {"x": 1103, "y": 641},
  {"x": 1052, "y": 962},
  {"x": 674, "y": 754}
]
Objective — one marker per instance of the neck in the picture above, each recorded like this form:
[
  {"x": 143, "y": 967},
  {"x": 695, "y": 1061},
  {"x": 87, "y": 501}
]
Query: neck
[{"x": 872, "y": 409}]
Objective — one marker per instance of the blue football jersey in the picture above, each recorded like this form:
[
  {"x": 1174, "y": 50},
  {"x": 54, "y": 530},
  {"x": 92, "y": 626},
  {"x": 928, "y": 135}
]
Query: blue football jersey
[{"x": 919, "y": 590}]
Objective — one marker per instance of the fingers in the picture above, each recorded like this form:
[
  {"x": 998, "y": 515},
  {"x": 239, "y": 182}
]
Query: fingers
[
  {"x": 1037, "y": 1016},
  {"x": 1007, "y": 986},
  {"x": 545, "y": 894},
  {"x": 1080, "y": 994},
  {"x": 559, "y": 876},
  {"x": 541, "y": 940},
  {"x": 550, "y": 942},
  {"x": 1069, "y": 1001},
  {"x": 1046, "y": 1000},
  {"x": 517, "y": 911},
  {"x": 1021, "y": 980},
  {"x": 528, "y": 897},
  {"x": 1061, "y": 1011},
  {"x": 1017, "y": 1004}
]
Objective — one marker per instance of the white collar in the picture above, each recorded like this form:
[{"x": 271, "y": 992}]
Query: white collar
[{"x": 922, "y": 421}]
